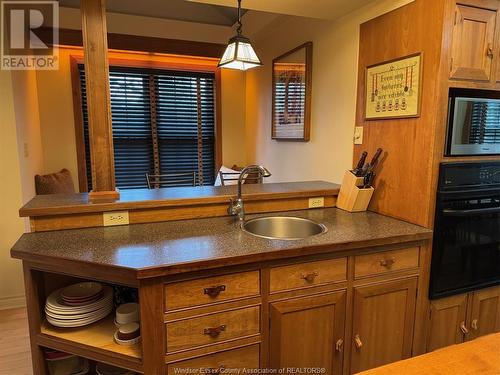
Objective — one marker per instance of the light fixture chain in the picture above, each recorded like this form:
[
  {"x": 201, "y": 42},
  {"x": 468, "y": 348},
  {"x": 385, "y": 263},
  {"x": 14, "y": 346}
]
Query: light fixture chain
[{"x": 240, "y": 25}]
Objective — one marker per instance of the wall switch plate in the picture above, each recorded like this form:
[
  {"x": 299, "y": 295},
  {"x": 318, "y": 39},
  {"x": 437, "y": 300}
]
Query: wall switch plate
[
  {"x": 115, "y": 218},
  {"x": 358, "y": 135},
  {"x": 316, "y": 202}
]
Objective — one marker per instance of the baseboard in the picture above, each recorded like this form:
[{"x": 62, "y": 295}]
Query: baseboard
[{"x": 12, "y": 302}]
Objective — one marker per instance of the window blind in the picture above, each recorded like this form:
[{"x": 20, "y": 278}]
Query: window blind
[
  {"x": 485, "y": 123},
  {"x": 163, "y": 123}
]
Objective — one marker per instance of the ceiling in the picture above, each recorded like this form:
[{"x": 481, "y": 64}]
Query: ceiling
[
  {"x": 323, "y": 9},
  {"x": 181, "y": 10}
]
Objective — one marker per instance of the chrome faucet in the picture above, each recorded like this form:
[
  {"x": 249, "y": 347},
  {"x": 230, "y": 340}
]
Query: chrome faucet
[{"x": 236, "y": 207}]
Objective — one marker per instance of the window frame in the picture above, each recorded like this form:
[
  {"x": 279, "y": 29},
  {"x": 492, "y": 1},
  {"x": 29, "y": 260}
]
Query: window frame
[{"x": 184, "y": 64}]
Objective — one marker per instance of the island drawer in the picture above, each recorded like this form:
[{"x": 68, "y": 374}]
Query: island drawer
[
  {"x": 386, "y": 261},
  {"x": 212, "y": 328},
  {"x": 303, "y": 275},
  {"x": 240, "y": 358},
  {"x": 210, "y": 290}
]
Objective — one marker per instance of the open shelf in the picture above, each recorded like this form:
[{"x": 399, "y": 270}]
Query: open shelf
[{"x": 94, "y": 341}]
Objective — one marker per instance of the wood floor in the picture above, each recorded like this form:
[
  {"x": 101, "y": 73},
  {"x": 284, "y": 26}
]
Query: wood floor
[{"x": 15, "y": 358}]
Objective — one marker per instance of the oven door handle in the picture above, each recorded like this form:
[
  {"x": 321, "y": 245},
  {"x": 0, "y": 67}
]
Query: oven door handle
[{"x": 477, "y": 211}]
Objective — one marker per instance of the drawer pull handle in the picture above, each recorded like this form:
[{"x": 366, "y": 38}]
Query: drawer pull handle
[
  {"x": 357, "y": 342},
  {"x": 474, "y": 324},
  {"x": 215, "y": 371},
  {"x": 339, "y": 345},
  {"x": 387, "y": 263},
  {"x": 215, "y": 331},
  {"x": 310, "y": 277},
  {"x": 214, "y": 291},
  {"x": 464, "y": 328}
]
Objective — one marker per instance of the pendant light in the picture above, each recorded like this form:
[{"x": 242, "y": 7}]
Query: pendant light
[{"x": 239, "y": 53}]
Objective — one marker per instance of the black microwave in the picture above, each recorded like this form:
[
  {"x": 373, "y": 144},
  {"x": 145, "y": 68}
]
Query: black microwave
[{"x": 473, "y": 122}]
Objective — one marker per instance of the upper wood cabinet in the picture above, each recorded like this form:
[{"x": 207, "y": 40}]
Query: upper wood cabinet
[
  {"x": 473, "y": 48},
  {"x": 308, "y": 332},
  {"x": 383, "y": 317}
]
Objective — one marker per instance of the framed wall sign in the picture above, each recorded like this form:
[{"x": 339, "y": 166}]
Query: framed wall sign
[
  {"x": 292, "y": 78},
  {"x": 393, "y": 88}
]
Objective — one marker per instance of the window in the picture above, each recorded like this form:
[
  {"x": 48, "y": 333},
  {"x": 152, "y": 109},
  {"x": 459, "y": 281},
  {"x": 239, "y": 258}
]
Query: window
[{"x": 163, "y": 123}]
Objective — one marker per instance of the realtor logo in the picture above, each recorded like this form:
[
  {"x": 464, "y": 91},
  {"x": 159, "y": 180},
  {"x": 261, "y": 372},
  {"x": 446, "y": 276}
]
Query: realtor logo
[{"x": 29, "y": 34}]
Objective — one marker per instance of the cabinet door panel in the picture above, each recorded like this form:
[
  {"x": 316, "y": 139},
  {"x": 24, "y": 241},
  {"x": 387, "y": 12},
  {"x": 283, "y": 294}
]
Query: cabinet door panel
[
  {"x": 472, "y": 46},
  {"x": 485, "y": 312},
  {"x": 383, "y": 318},
  {"x": 447, "y": 316},
  {"x": 306, "y": 331}
]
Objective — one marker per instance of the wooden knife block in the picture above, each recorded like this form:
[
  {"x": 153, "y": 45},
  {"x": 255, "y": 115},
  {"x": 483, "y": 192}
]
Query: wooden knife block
[{"x": 352, "y": 196}]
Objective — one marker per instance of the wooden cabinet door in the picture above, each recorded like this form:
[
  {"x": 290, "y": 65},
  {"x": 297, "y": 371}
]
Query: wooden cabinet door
[
  {"x": 308, "y": 332},
  {"x": 447, "y": 321},
  {"x": 383, "y": 317},
  {"x": 484, "y": 307},
  {"x": 472, "y": 46}
]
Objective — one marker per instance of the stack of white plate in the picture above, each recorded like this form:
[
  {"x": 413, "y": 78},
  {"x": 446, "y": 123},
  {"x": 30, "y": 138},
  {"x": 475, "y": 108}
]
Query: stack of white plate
[{"x": 61, "y": 314}]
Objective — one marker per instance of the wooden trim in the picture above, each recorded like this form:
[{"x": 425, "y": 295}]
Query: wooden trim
[
  {"x": 70, "y": 37},
  {"x": 307, "y": 111},
  {"x": 95, "y": 46},
  {"x": 218, "y": 120},
  {"x": 79, "y": 133}
]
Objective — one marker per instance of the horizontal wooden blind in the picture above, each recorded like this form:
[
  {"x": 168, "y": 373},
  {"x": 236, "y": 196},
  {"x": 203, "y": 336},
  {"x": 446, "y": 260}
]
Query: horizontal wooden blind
[
  {"x": 485, "y": 123},
  {"x": 174, "y": 97}
]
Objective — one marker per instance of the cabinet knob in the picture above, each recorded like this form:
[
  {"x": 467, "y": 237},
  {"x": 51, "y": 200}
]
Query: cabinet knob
[
  {"x": 464, "y": 328},
  {"x": 339, "y": 345},
  {"x": 387, "y": 263},
  {"x": 214, "y": 291},
  {"x": 214, "y": 332},
  {"x": 357, "y": 342},
  {"x": 310, "y": 277},
  {"x": 474, "y": 324},
  {"x": 489, "y": 51}
]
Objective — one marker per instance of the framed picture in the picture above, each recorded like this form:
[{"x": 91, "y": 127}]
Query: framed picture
[
  {"x": 393, "y": 88},
  {"x": 292, "y": 79}
]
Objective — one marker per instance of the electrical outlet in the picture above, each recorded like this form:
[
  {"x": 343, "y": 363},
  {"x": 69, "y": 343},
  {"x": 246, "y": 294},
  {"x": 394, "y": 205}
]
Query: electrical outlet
[
  {"x": 115, "y": 218},
  {"x": 358, "y": 135},
  {"x": 316, "y": 202}
]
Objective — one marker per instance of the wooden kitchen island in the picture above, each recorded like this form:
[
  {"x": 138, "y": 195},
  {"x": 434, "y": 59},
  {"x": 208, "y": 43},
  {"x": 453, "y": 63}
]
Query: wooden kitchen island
[{"x": 213, "y": 297}]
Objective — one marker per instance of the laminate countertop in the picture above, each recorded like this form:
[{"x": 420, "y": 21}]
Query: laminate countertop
[
  {"x": 479, "y": 356},
  {"x": 166, "y": 248}
]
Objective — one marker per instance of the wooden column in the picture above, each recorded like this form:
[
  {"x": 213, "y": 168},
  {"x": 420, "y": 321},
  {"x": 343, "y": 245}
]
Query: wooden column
[{"x": 95, "y": 47}]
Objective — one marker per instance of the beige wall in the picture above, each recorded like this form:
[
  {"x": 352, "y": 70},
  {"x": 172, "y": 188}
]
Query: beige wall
[
  {"x": 334, "y": 85},
  {"x": 18, "y": 127}
]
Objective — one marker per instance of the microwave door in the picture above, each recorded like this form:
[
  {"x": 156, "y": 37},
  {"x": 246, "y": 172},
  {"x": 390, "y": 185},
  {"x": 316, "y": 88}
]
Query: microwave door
[{"x": 475, "y": 126}]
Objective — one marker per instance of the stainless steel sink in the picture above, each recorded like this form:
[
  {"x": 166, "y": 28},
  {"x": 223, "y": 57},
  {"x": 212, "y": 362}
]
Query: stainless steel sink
[{"x": 283, "y": 227}]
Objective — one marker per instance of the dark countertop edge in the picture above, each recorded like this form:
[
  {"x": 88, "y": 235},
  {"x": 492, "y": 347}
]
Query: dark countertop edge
[
  {"x": 83, "y": 208},
  {"x": 205, "y": 264}
]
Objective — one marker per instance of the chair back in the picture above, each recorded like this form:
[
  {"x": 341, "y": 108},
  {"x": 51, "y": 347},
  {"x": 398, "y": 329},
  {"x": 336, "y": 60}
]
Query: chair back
[{"x": 156, "y": 181}]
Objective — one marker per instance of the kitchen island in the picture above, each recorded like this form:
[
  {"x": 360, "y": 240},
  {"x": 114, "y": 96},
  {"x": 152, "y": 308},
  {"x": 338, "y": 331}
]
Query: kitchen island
[{"x": 214, "y": 297}]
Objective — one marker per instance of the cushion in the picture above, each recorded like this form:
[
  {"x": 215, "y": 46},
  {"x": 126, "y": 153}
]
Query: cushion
[{"x": 54, "y": 183}]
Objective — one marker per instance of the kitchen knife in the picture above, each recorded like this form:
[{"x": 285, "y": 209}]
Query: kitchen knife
[
  {"x": 360, "y": 165},
  {"x": 374, "y": 161}
]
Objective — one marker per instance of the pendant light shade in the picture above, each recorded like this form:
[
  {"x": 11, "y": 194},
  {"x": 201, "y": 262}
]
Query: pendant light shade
[{"x": 239, "y": 53}]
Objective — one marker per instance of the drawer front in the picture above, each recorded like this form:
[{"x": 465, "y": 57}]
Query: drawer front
[
  {"x": 241, "y": 358},
  {"x": 211, "y": 290},
  {"x": 213, "y": 328},
  {"x": 304, "y": 275},
  {"x": 384, "y": 262}
]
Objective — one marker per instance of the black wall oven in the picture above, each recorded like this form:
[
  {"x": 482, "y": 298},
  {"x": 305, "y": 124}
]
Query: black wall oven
[{"x": 466, "y": 248}]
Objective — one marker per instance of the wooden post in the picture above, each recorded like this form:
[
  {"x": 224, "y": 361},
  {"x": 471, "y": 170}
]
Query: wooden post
[{"x": 95, "y": 48}]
